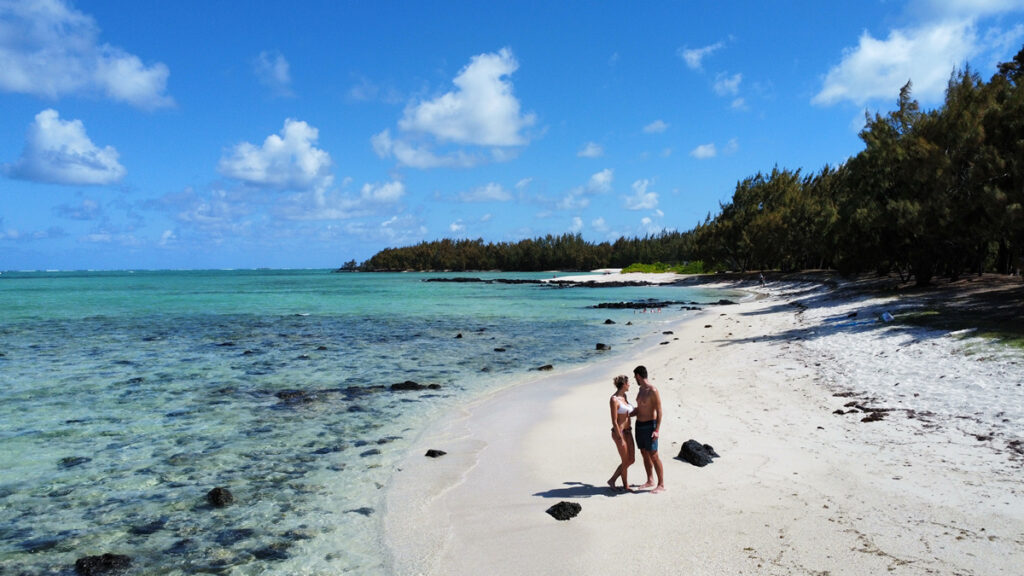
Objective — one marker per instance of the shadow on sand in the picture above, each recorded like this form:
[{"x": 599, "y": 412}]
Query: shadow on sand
[{"x": 577, "y": 490}]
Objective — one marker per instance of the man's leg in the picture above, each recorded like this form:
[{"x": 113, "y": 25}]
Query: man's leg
[
  {"x": 648, "y": 465},
  {"x": 656, "y": 460}
]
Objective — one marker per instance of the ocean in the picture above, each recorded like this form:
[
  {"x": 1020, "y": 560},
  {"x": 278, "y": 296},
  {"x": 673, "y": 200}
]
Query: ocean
[{"x": 128, "y": 396}]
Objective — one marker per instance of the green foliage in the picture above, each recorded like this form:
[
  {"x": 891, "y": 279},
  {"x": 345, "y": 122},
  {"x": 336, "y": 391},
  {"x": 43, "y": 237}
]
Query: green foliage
[
  {"x": 566, "y": 252},
  {"x": 696, "y": 267}
]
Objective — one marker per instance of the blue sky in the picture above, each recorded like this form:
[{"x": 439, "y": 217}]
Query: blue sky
[{"x": 153, "y": 135}]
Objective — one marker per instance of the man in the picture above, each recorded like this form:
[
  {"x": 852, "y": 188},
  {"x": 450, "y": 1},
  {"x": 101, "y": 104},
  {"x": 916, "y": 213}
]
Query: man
[{"x": 648, "y": 428}]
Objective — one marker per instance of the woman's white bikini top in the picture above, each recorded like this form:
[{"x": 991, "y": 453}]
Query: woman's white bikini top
[{"x": 625, "y": 407}]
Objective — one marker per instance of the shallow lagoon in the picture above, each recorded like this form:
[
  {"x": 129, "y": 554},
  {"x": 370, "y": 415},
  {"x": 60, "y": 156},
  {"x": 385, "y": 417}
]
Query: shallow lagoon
[{"x": 128, "y": 395}]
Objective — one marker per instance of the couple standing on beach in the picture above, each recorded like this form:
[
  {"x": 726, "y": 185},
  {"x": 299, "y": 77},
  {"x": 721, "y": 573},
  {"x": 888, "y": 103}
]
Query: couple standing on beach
[{"x": 648, "y": 425}]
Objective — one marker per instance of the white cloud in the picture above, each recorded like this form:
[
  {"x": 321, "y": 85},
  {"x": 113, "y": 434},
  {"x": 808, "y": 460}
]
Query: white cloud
[
  {"x": 726, "y": 85},
  {"x": 15, "y": 235},
  {"x": 965, "y": 8},
  {"x": 273, "y": 71},
  {"x": 167, "y": 238},
  {"x": 599, "y": 224},
  {"x": 577, "y": 224},
  {"x": 704, "y": 151},
  {"x": 481, "y": 111},
  {"x": 925, "y": 55},
  {"x": 738, "y": 104},
  {"x": 641, "y": 198},
  {"x": 655, "y": 127},
  {"x": 290, "y": 161},
  {"x": 217, "y": 212},
  {"x": 387, "y": 192},
  {"x": 490, "y": 192},
  {"x": 420, "y": 156},
  {"x": 694, "y": 57},
  {"x": 366, "y": 90},
  {"x": 395, "y": 231},
  {"x": 88, "y": 209},
  {"x": 601, "y": 182},
  {"x": 574, "y": 200},
  {"x": 731, "y": 147},
  {"x": 523, "y": 184},
  {"x": 591, "y": 150},
  {"x": 49, "y": 49},
  {"x": 60, "y": 152},
  {"x": 456, "y": 227},
  {"x": 322, "y": 204},
  {"x": 649, "y": 226},
  {"x": 579, "y": 197}
]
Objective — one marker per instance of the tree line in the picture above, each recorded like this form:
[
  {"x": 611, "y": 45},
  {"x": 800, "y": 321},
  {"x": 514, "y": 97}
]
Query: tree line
[
  {"x": 565, "y": 252},
  {"x": 933, "y": 193}
]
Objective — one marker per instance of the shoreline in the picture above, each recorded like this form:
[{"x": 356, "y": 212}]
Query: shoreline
[{"x": 798, "y": 488}]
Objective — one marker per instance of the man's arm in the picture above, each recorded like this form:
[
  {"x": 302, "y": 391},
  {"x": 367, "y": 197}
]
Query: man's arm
[{"x": 657, "y": 406}]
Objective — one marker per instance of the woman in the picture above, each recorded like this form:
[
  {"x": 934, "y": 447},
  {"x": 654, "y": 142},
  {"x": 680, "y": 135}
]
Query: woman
[{"x": 622, "y": 432}]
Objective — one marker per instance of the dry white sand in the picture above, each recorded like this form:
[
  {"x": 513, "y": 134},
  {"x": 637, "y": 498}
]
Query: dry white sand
[{"x": 798, "y": 489}]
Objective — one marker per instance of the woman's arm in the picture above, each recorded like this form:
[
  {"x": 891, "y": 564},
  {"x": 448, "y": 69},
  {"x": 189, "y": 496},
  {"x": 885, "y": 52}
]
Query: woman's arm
[{"x": 614, "y": 407}]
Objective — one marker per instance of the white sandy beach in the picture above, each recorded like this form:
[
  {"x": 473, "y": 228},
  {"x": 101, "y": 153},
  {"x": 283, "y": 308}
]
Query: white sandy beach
[{"x": 934, "y": 487}]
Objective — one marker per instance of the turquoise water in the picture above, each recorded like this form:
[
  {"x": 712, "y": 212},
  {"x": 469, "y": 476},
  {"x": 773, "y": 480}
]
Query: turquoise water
[{"x": 127, "y": 396}]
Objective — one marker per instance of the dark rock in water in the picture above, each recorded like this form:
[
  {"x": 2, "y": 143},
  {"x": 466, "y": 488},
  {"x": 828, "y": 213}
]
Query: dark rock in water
[
  {"x": 601, "y": 346},
  {"x": 37, "y": 545},
  {"x": 667, "y": 332},
  {"x": 499, "y": 349},
  {"x": 640, "y": 305},
  {"x": 458, "y": 279},
  {"x": 233, "y": 536},
  {"x": 219, "y": 497},
  {"x": 459, "y": 335},
  {"x": 564, "y": 510},
  {"x": 410, "y": 385},
  {"x": 365, "y": 511},
  {"x": 146, "y": 529},
  {"x": 724, "y": 302},
  {"x": 72, "y": 461},
  {"x": 180, "y": 459},
  {"x": 105, "y": 564},
  {"x": 435, "y": 453},
  {"x": 292, "y": 397},
  {"x": 321, "y": 348},
  {"x": 275, "y": 551},
  {"x": 330, "y": 449},
  {"x": 356, "y": 391},
  {"x": 181, "y": 546},
  {"x": 545, "y": 367},
  {"x": 371, "y": 452},
  {"x": 226, "y": 344},
  {"x": 609, "y": 321},
  {"x": 696, "y": 453}
]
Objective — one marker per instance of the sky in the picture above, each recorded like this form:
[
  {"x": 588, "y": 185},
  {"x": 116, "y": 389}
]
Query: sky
[{"x": 232, "y": 134}]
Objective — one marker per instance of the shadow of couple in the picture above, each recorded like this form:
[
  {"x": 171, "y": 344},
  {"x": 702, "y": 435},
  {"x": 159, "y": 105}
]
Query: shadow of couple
[{"x": 578, "y": 490}]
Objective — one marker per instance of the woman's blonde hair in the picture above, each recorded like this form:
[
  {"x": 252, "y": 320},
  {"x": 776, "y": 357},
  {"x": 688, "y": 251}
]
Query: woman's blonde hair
[{"x": 620, "y": 381}]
